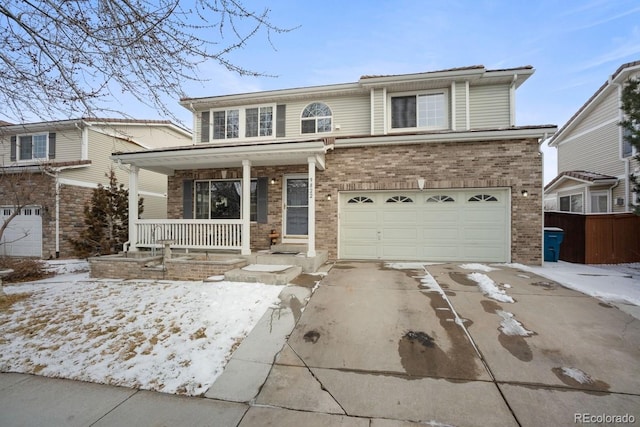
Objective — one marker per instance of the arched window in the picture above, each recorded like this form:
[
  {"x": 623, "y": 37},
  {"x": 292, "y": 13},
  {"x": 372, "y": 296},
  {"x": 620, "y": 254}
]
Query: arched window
[
  {"x": 440, "y": 198},
  {"x": 360, "y": 199},
  {"x": 316, "y": 118},
  {"x": 399, "y": 199}
]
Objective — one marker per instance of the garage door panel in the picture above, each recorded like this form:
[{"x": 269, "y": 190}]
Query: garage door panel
[
  {"x": 402, "y": 234},
  {"x": 360, "y": 217},
  {"x": 431, "y": 228},
  {"x": 23, "y": 235}
]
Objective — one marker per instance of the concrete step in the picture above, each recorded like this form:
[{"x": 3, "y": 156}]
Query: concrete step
[
  {"x": 289, "y": 248},
  {"x": 261, "y": 273}
]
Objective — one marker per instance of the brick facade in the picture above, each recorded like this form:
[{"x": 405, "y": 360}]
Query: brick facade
[{"x": 516, "y": 164}]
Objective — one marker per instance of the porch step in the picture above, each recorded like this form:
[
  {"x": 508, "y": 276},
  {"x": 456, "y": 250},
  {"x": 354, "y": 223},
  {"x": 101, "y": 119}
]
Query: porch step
[
  {"x": 289, "y": 248},
  {"x": 261, "y": 273}
]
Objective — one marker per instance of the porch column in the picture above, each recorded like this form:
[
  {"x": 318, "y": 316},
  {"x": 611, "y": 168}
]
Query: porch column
[
  {"x": 133, "y": 208},
  {"x": 246, "y": 207},
  {"x": 311, "y": 237}
]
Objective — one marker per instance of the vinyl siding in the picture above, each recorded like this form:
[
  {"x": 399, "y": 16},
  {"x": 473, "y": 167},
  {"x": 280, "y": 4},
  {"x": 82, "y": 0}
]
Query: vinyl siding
[
  {"x": 489, "y": 106},
  {"x": 152, "y": 136},
  {"x": 154, "y": 207},
  {"x": 68, "y": 145},
  {"x": 353, "y": 114},
  {"x": 461, "y": 106},
  {"x": 378, "y": 116},
  {"x": 596, "y": 151},
  {"x": 606, "y": 110}
]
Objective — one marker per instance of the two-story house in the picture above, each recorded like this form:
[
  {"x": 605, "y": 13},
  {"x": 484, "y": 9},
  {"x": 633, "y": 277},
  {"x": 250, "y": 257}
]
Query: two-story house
[
  {"x": 55, "y": 166},
  {"x": 424, "y": 166},
  {"x": 594, "y": 160}
]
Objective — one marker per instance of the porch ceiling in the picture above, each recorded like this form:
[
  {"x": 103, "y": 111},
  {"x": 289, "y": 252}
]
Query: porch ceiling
[{"x": 168, "y": 160}]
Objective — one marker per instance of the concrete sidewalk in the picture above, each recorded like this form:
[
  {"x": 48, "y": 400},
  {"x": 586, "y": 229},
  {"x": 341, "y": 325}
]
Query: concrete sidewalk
[{"x": 375, "y": 347}]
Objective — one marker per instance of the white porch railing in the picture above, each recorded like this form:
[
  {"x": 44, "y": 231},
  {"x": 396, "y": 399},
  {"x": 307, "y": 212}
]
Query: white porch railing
[{"x": 190, "y": 233}]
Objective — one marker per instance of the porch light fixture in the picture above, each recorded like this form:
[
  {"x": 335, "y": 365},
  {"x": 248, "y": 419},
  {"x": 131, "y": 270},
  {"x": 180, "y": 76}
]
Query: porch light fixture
[
  {"x": 421, "y": 183},
  {"x": 273, "y": 181},
  {"x": 223, "y": 173},
  {"x": 328, "y": 196},
  {"x": 525, "y": 193}
]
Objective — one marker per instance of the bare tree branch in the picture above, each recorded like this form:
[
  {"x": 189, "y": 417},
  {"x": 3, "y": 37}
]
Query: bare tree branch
[{"x": 70, "y": 58}]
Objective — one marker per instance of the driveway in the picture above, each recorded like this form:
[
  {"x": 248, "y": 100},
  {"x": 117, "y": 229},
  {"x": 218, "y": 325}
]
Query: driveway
[{"x": 388, "y": 344}]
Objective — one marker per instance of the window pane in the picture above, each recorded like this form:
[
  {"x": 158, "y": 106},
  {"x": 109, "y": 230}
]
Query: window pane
[
  {"x": 202, "y": 199},
  {"x": 218, "y": 125},
  {"x": 565, "y": 204},
  {"x": 599, "y": 203},
  {"x": 431, "y": 110},
  {"x": 576, "y": 203},
  {"x": 233, "y": 124},
  {"x": 40, "y": 146},
  {"x": 324, "y": 125},
  {"x": 266, "y": 121},
  {"x": 25, "y": 147},
  {"x": 309, "y": 126},
  {"x": 225, "y": 199},
  {"x": 403, "y": 112},
  {"x": 251, "y": 122}
]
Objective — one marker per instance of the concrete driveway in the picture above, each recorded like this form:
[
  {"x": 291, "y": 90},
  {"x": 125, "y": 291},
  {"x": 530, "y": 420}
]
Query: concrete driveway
[{"x": 382, "y": 344}]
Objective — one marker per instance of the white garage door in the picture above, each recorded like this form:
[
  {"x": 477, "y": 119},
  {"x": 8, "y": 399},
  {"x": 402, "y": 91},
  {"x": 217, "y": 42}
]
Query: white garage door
[
  {"x": 23, "y": 236},
  {"x": 441, "y": 225}
]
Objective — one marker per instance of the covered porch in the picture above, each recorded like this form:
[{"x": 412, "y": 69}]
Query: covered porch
[{"x": 198, "y": 227}]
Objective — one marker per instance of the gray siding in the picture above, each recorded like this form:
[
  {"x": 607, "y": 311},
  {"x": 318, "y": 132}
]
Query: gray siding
[
  {"x": 606, "y": 110},
  {"x": 379, "y": 112},
  {"x": 353, "y": 114},
  {"x": 489, "y": 106},
  {"x": 595, "y": 151}
]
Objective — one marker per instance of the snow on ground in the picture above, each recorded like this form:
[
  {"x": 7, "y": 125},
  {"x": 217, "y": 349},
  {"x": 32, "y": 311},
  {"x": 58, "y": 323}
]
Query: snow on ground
[
  {"x": 489, "y": 287},
  {"x": 510, "y": 326},
  {"x": 608, "y": 283},
  {"x": 577, "y": 375},
  {"x": 169, "y": 336},
  {"x": 479, "y": 267}
]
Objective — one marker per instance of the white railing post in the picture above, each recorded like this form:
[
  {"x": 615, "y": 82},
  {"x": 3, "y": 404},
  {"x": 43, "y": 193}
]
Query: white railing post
[
  {"x": 133, "y": 208},
  {"x": 246, "y": 207}
]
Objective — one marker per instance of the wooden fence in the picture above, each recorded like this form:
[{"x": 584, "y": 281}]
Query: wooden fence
[{"x": 597, "y": 238}]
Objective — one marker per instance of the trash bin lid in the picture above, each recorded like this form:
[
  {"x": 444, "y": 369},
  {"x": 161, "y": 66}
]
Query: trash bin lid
[{"x": 553, "y": 229}]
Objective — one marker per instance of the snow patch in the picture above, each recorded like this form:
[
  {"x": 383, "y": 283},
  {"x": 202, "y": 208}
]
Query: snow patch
[
  {"x": 429, "y": 283},
  {"x": 489, "y": 287},
  {"x": 479, "y": 267},
  {"x": 510, "y": 326},
  {"x": 578, "y": 375}
]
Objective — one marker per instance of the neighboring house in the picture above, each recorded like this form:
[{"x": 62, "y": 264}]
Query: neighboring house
[
  {"x": 594, "y": 160},
  {"x": 59, "y": 163},
  {"x": 425, "y": 166}
]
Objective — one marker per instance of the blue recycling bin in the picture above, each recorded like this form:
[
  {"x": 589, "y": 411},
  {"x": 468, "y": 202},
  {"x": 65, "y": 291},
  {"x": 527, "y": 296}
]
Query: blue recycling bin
[{"x": 553, "y": 237}]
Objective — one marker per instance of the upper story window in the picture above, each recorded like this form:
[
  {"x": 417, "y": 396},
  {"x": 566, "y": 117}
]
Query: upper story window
[
  {"x": 33, "y": 147},
  {"x": 419, "y": 111},
  {"x": 628, "y": 149},
  {"x": 251, "y": 122},
  {"x": 316, "y": 118}
]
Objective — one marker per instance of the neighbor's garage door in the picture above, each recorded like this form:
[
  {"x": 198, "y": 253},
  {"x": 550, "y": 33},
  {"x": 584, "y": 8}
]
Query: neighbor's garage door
[
  {"x": 23, "y": 236},
  {"x": 442, "y": 225}
]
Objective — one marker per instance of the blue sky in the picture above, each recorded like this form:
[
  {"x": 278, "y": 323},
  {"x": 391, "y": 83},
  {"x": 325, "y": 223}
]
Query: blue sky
[{"x": 573, "y": 45}]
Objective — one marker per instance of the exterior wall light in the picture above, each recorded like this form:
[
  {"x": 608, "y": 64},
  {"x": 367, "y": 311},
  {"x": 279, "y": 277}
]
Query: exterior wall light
[
  {"x": 273, "y": 181},
  {"x": 328, "y": 196},
  {"x": 525, "y": 193},
  {"x": 421, "y": 183}
]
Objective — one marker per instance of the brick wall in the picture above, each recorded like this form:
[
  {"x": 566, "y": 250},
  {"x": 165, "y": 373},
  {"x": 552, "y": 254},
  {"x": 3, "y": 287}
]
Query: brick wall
[
  {"x": 72, "y": 202},
  {"x": 516, "y": 164}
]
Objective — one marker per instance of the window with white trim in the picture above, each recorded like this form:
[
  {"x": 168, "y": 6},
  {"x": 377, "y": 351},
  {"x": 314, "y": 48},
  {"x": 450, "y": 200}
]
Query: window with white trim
[
  {"x": 419, "y": 111},
  {"x": 250, "y": 122},
  {"x": 222, "y": 199},
  {"x": 440, "y": 199},
  {"x": 360, "y": 199},
  {"x": 399, "y": 199},
  {"x": 483, "y": 198},
  {"x": 31, "y": 147},
  {"x": 571, "y": 203},
  {"x": 316, "y": 118}
]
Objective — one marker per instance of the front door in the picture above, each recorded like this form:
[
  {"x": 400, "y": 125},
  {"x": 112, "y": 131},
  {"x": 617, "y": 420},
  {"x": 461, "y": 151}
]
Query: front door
[{"x": 296, "y": 207}]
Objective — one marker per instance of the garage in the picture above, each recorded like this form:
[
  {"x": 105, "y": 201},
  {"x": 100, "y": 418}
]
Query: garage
[
  {"x": 23, "y": 236},
  {"x": 434, "y": 225}
]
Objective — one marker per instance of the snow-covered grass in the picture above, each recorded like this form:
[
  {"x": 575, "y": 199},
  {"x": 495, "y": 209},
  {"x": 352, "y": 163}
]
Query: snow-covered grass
[{"x": 169, "y": 336}]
